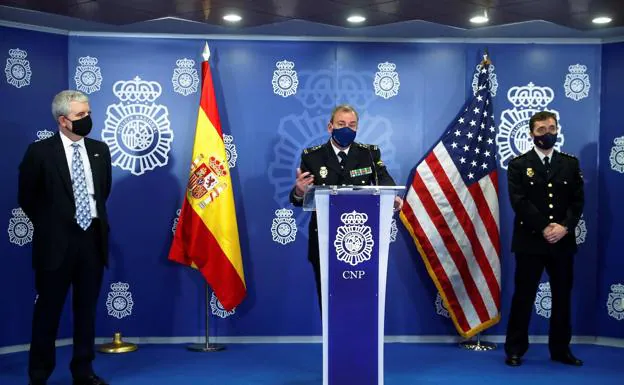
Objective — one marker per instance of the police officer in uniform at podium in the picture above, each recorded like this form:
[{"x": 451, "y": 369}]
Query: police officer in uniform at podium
[{"x": 340, "y": 161}]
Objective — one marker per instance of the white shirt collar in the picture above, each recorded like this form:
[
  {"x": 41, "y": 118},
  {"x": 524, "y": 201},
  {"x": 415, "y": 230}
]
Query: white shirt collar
[
  {"x": 542, "y": 155},
  {"x": 337, "y": 150},
  {"x": 68, "y": 142}
]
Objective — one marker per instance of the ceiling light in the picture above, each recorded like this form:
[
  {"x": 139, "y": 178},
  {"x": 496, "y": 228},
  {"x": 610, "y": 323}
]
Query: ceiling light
[
  {"x": 232, "y": 18},
  {"x": 602, "y": 20},
  {"x": 356, "y": 19},
  {"x": 480, "y": 19}
]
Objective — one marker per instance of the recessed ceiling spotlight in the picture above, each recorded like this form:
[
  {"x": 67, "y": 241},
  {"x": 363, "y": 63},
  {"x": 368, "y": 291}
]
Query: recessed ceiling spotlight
[
  {"x": 356, "y": 19},
  {"x": 480, "y": 19},
  {"x": 602, "y": 20},
  {"x": 232, "y": 18}
]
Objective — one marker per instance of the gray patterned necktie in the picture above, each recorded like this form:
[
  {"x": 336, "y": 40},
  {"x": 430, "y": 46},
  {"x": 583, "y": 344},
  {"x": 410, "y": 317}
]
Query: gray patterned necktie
[{"x": 81, "y": 194}]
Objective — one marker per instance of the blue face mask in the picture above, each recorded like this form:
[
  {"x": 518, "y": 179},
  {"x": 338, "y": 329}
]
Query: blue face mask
[
  {"x": 546, "y": 141},
  {"x": 343, "y": 136}
]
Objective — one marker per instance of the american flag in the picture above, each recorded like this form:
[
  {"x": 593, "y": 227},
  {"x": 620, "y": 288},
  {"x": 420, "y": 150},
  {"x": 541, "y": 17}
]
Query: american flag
[{"x": 451, "y": 211}]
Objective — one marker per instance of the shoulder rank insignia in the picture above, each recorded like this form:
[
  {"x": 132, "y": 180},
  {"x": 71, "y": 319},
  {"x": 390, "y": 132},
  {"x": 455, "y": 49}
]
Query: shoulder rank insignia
[
  {"x": 568, "y": 155},
  {"x": 367, "y": 146},
  {"x": 312, "y": 149}
]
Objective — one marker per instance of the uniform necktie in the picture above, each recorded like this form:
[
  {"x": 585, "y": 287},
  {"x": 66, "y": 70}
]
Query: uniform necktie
[
  {"x": 343, "y": 158},
  {"x": 547, "y": 164},
  {"x": 81, "y": 194}
]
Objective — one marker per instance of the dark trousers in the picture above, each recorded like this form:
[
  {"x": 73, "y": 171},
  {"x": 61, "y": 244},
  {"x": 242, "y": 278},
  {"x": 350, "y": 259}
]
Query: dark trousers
[
  {"x": 529, "y": 268},
  {"x": 82, "y": 270}
]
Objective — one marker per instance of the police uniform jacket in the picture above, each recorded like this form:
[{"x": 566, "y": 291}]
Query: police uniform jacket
[
  {"x": 363, "y": 167},
  {"x": 539, "y": 197}
]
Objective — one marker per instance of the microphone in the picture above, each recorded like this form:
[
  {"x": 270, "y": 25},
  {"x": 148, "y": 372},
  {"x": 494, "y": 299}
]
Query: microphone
[{"x": 370, "y": 154}]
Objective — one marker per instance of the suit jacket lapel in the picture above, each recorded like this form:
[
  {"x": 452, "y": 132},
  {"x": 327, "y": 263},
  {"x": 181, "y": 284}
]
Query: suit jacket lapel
[
  {"x": 537, "y": 164},
  {"x": 61, "y": 164},
  {"x": 94, "y": 161},
  {"x": 331, "y": 160},
  {"x": 353, "y": 158},
  {"x": 555, "y": 164}
]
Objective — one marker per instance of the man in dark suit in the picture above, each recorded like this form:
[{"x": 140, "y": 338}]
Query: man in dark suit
[
  {"x": 64, "y": 182},
  {"x": 340, "y": 161},
  {"x": 546, "y": 192}
]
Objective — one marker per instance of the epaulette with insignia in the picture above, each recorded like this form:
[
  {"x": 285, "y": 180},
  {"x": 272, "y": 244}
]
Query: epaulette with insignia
[
  {"x": 312, "y": 149},
  {"x": 568, "y": 155},
  {"x": 521, "y": 155},
  {"x": 367, "y": 146}
]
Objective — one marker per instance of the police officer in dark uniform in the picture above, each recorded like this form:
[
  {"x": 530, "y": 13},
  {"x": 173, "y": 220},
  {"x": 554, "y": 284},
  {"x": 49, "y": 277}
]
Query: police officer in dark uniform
[
  {"x": 340, "y": 161},
  {"x": 546, "y": 192}
]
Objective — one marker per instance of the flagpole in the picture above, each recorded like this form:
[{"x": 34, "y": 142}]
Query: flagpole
[{"x": 206, "y": 346}]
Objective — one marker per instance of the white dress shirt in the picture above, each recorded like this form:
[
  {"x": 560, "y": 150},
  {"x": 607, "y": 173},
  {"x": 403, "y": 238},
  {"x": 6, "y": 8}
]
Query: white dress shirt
[
  {"x": 69, "y": 154},
  {"x": 337, "y": 150},
  {"x": 543, "y": 156}
]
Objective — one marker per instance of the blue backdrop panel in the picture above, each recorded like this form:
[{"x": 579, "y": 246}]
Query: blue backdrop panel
[
  {"x": 274, "y": 100},
  {"x": 35, "y": 69},
  {"x": 610, "y": 301}
]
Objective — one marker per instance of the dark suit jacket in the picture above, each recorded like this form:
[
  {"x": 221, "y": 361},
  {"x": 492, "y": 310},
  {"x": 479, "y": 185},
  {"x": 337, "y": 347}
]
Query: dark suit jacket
[
  {"x": 539, "y": 198},
  {"x": 322, "y": 162},
  {"x": 46, "y": 196}
]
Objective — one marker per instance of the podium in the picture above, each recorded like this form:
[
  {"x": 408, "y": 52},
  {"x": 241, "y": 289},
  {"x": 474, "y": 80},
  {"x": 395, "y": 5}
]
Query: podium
[{"x": 354, "y": 225}]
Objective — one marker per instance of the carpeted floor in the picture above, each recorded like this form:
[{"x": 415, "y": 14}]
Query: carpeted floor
[{"x": 300, "y": 364}]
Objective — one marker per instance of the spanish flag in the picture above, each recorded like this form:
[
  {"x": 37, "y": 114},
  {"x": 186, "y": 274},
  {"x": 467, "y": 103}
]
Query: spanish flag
[{"x": 206, "y": 237}]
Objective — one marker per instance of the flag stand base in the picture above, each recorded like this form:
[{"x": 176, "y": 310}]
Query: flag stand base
[
  {"x": 478, "y": 345},
  {"x": 207, "y": 346},
  {"x": 117, "y": 346}
]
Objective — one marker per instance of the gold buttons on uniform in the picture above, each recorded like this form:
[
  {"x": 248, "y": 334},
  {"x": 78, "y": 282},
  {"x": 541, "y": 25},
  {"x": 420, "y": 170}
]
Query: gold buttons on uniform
[
  {"x": 549, "y": 184},
  {"x": 551, "y": 217},
  {"x": 550, "y": 195},
  {"x": 551, "y": 205}
]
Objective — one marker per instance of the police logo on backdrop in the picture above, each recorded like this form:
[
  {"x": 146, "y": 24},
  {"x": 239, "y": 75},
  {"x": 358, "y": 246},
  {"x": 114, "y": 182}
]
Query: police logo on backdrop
[
  {"x": 88, "y": 76},
  {"x": 491, "y": 75},
  {"x": 20, "y": 228},
  {"x": 207, "y": 180},
  {"x": 441, "y": 308},
  {"x": 285, "y": 80},
  {"x": 577, "y": 83},
  {"x": 615, "y": 302},
  {"x": 44, "y": 134},
  {"x": 17, "y": 69},
  {"x": 513, "y": 136},
  {"x": 543, "y": 300},
  {"x": 617, "y": 155},
  {"x": 175, "y": 221},
  {"x": 284, "y": 227},
  {"x": 137, "y": 130},
  {"x": 230, "y": 150},
  {"x": 386, "y": 81},
  {"x": 119, "y": 302},
  {"x": 298, "y": 132},
  {"x": 393, "y": 230},
  {"x": 185, "y": 79},
  {"x": 354, "y": 240},
  {"x": 217, "y": 309},
  {"x": 580, "y": 231},
  {"x": 322, "y": 89}
]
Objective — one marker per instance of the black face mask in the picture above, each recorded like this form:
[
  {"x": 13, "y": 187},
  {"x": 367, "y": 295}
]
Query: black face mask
[{"x": 82, "y": 127}]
